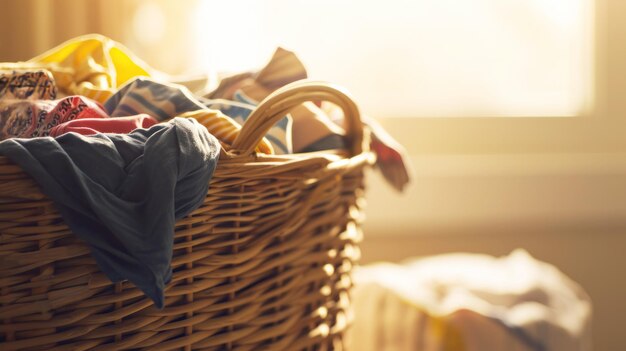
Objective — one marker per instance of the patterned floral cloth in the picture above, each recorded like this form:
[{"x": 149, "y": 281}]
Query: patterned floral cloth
[{"x": 27, "y": 85}]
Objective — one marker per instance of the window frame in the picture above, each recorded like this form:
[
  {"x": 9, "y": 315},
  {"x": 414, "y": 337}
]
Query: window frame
[{"x": 598, "y": 129}]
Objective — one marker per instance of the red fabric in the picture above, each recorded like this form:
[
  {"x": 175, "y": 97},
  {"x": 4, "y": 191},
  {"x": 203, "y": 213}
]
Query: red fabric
[
  {"x": 35, "y": 118},
  {"x": 90, "y": 126}
]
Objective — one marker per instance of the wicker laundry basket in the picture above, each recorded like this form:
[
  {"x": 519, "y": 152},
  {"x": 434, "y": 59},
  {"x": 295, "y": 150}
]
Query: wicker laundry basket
[{"x": 263, "y": 264}]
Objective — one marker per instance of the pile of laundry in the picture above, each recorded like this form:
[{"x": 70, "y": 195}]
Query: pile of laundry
[
  {"x": 124, "y": 150},
  {"x": 469, "y": 302}
]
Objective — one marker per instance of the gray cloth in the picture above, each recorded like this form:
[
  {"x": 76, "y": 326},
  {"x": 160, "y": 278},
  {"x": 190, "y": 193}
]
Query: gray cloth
[{"x": 123, "y": 193}]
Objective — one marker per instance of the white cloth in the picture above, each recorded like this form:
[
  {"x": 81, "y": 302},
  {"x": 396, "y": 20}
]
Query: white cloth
[{"x": 469, "y": 302}]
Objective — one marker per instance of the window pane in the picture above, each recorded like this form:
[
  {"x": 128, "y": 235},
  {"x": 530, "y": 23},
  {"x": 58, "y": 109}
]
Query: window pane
[{"x": 417, "y": 57}]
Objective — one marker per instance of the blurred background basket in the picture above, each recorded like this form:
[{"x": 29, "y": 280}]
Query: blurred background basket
[{"x": 264, "y": 263}]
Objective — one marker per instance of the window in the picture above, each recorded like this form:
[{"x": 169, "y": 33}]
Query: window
[{"x": 417, "y": 58}]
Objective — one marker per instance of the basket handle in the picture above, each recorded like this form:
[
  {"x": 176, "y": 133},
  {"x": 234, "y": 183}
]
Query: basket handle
[{"x": 279, "y": 103}]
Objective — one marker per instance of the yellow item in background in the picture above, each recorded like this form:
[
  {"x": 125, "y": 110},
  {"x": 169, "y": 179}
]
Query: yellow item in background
[{"x": 90, "y": 65}]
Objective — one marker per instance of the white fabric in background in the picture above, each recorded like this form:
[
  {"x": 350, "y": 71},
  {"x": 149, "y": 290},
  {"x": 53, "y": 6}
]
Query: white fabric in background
[{"x": 469, "y": 302}]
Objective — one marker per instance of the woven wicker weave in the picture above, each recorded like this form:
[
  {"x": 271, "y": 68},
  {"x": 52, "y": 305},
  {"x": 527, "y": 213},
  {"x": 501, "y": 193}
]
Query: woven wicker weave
[{"x": 264, "y": 263}]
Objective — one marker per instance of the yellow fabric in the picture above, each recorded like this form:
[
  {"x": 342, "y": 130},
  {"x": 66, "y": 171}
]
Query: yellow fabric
[
  {"x": 90, "y": 65},
  {"x": 440, "y": 330},
  {"x": 223, "y": 127},
  {"x": 448, "y": 336}
]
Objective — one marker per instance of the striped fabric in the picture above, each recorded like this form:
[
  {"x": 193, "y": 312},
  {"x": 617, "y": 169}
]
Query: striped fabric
[
  {"x": 279, "y": 136},
  {"x": 165, "y": 100},
  {"x": 144, "y": 95},
  {"x": 223, "y": 127}
]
